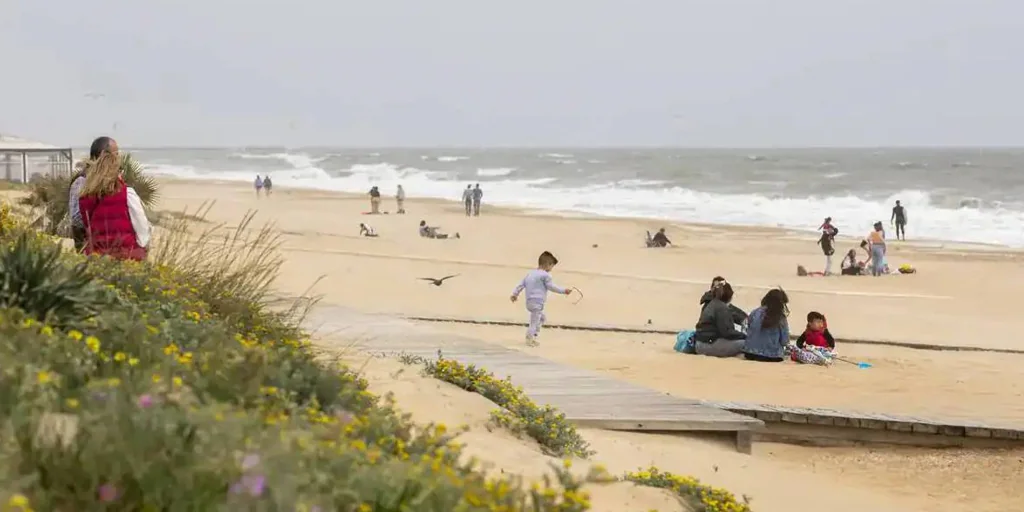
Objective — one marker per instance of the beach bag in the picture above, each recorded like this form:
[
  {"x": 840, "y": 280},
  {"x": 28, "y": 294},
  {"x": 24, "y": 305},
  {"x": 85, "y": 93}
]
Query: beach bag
[{"x": 685, "y": 343}]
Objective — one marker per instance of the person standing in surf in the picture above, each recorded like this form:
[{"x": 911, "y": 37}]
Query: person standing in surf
[
  {"x": 467, "y": 198},
  {"x": 899, "y": 218}
]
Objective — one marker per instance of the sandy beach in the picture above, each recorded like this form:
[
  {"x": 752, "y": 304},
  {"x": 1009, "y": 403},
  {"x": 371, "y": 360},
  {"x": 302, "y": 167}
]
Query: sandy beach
[{"x": 960, "y": 296}]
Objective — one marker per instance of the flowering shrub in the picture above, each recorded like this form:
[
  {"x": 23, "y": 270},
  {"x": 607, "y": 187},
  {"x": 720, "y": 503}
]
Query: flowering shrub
[
  {"x": 161, "y": 391},
  {"x": 702, "y": 498},
  {"x": 518, "y": 413}
]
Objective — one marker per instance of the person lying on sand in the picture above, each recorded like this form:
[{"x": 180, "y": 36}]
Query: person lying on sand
[
  {"x": 367, "y": 230},
  {"x": 738, "y": 315},
  {"x": 433, "y": 231},
  {"x": 658, "y": 240}
]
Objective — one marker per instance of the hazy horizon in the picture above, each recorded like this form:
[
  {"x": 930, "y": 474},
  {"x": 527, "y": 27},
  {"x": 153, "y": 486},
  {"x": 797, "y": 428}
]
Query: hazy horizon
[{"x": 457, "y": 73}]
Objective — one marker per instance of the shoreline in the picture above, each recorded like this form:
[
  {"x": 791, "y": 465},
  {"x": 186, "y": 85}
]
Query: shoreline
[{"x": 951, "y": 246}]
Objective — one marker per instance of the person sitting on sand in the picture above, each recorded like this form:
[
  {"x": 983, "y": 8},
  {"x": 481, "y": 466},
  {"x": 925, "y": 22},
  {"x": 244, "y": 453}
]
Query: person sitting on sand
[
  {"x": 738, "y": 315},
  {"x": 715, "y": 333},
  {"x": 768, "y": 330},
  {"x": 433, "y": 231},
  {"x": 659, "y": 239},
  {"x": 367, "y": 230},
  {"x": 849, "y": 266},
  {"x": 816, "y": 344}
]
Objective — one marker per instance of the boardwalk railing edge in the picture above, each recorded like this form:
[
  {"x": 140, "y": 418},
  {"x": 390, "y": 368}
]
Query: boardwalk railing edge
[{"x": 600, "y": 328}]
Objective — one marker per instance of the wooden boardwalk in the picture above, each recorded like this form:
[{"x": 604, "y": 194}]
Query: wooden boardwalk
[
  {"x": 826, "y": 426},
  {"x": 587, "y": 398}
]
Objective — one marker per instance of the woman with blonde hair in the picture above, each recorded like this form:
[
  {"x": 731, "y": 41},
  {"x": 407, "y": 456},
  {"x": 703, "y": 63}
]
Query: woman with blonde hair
[{"x": 112, "y": 213}]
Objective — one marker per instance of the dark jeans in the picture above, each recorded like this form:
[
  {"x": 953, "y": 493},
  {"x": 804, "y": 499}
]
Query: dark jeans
[{"x": 78, "y": 234}]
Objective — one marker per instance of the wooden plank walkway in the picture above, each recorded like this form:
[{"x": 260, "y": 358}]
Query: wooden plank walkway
[
  {"x": 587, "y": 398},
  {"x": 807, "y": 423}
]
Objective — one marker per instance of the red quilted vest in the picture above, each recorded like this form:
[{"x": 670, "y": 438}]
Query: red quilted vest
[{"x": 109, "y": 226}]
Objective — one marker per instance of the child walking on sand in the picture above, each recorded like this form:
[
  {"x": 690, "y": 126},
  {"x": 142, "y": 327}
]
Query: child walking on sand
[{"x": 537, "y": 283}]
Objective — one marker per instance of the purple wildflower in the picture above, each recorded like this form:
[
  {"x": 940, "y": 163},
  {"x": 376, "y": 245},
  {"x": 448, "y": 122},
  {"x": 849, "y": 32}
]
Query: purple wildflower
[
  {"x": 145, "y": 401},
  {"x": 254, "y": 484},
  {"x": 108, "y": 493}
]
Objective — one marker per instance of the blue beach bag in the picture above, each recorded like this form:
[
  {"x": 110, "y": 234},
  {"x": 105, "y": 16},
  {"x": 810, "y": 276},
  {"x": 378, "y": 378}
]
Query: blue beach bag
[{"x": 685, "y": 343}]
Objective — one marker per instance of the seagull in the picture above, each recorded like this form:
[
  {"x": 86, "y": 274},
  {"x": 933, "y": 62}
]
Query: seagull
[
  {"x": 437, "y": 282},
  {"x": 94, "y": 95}
]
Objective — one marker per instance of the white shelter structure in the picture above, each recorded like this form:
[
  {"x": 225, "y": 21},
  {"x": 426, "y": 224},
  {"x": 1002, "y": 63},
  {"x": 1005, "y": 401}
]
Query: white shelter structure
[{"x": 20, "y": 159}]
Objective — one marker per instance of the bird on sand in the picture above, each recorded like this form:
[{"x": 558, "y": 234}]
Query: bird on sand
[{"x": 437, "y": 282}]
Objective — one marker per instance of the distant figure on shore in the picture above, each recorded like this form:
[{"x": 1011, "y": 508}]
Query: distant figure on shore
[
  {"x": 268, "y": 185},
  {"x": 112, "y": 213},
  {"x": 374, "y": 200},
  {"x": 400, "y": 200},
  {"x": 876, "y": 245},
  {"x": 98, "y": 147},
  {"x": 899, "y": 218},
  {"x": 659, "y": 239},
  {"x": 258, "y": 185},
  {"x": 367, "y": 230},
  {"x": 827, "y": 242},
  {"x": 478, "y": 195},
  {"x": 467, "y": 198},
  {"x": 433, "y": 231}
]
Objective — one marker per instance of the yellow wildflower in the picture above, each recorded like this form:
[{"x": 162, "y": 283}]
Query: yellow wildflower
[
  {"x": 120, "y": 356},
  {"x": 93, "y": 343},
  {"x": 44, "y": 377}
]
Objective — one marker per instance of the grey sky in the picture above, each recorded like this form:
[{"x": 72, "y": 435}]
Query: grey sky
[{"x": 469, "y": 73}]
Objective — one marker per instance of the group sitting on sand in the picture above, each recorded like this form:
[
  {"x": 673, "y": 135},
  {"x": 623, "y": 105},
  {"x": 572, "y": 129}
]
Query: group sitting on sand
[{"x": 725, "y": 330}]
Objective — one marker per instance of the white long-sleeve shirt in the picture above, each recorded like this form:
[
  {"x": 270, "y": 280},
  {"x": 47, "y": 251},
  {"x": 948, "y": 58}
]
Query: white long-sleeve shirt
[
  {"x": 137, "y": 213},
  {"x": 537, "y": 284}
]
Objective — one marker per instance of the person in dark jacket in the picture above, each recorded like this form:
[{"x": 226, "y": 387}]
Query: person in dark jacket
[
  {"x": 715, "y": 333},
  {"x": 738, "y": 315}
]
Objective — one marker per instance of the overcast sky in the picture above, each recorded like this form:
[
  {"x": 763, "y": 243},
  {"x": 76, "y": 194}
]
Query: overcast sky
[{"x": 744, "y": 73}]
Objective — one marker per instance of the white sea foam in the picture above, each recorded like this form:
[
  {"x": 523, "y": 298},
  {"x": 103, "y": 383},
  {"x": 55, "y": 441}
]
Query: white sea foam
[{"x": 963, "y": 222}]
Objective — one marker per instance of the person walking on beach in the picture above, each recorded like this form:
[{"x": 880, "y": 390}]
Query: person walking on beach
[
  {"x": 267, "y": 185},
  {"x": 827, "y": 243},
  {"x": 112, "y": 213},
  {"x": 374, "y": 200},
  {"x": 400, "y": 200},
  {"x": 899, "y": 217},
  {"x": 467, "y": 198},
  {"x": 537, "y": 284},
  {"x": 478, "y": 195},
  {"x": 99, "y": 145},
  {"x": 258, "y": 185}
]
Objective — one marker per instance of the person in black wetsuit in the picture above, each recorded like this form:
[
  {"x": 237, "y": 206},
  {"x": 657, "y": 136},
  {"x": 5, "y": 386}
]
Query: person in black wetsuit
[{"x": 899, "y": 217}]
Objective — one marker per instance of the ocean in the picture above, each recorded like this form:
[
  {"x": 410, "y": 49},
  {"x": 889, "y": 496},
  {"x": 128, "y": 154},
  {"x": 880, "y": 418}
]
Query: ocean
[{"x": 963, "y": 195}]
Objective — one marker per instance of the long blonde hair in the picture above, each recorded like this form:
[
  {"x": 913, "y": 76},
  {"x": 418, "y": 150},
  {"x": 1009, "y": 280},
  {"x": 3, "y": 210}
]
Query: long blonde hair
[{"x": 102, "y": 177}]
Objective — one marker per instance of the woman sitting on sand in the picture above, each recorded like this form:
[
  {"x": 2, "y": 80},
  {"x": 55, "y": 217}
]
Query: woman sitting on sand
[
  {"x": 850, "y": 266},
  {"x": 768, "y": 330},
  {"x": 738, "y": 315},
  {"x": 715, "y": 333}
]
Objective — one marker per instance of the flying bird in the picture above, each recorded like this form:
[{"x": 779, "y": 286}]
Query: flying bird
[
  {"x": 94, "y": 95},
  {"x": 437, "y": 282}
]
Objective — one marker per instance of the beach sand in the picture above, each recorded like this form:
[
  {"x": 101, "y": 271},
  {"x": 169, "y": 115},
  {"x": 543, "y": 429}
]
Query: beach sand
[{"x": 959, "y": 297}]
